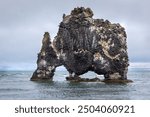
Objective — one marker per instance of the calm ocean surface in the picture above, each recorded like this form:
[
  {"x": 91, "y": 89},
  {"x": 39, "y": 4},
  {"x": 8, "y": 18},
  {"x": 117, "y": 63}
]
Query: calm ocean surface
[{"x": 17, "y": 85}]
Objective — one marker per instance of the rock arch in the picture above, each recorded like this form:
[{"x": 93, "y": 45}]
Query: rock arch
[{"x": 84, "y": 44}]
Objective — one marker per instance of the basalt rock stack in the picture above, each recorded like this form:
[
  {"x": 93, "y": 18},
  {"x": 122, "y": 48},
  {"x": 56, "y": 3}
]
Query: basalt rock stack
[
  {"x": 47, "y": 60},
  {"x": 85, "y": 44}
]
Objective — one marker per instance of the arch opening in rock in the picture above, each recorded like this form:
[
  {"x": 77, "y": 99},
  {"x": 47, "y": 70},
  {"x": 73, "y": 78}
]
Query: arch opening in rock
[
  {"x": 60, "y": 74},
  {"x": 90, "y": 76}
]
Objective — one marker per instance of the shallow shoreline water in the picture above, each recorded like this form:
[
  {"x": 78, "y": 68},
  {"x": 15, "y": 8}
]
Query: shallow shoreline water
[{"x": 17, "y": 85}]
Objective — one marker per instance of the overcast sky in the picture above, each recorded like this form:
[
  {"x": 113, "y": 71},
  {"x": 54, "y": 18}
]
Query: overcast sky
[{"x": 23, "y": 23}]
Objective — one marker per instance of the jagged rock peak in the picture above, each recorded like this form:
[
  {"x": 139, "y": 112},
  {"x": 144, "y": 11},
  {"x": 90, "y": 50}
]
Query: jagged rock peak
[
  {"x": 46, "y": 38},
  {"x": 82, "y": 12}
]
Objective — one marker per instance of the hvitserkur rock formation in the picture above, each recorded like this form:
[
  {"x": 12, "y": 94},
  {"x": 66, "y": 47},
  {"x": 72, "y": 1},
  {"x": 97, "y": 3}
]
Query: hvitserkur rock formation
[{"x": 84, "y": 44}]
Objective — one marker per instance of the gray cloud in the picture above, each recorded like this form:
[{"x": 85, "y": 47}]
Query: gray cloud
[{"x": 23, "y": 23}]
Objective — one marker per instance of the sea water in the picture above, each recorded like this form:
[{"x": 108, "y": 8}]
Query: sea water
[{"x": 17, "y": 85}]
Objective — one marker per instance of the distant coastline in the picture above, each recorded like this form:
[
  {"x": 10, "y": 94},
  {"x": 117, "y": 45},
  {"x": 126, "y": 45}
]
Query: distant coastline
[{"x": 31, "y": 66}]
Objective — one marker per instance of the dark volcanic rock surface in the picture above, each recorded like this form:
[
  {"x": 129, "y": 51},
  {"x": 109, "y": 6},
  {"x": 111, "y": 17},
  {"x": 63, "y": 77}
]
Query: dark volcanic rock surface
[{"x": 85, "y": 44}]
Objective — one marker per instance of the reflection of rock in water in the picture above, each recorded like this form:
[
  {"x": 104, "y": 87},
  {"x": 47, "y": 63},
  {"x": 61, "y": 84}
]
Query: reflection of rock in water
[{"x": 84, "y": 44}]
